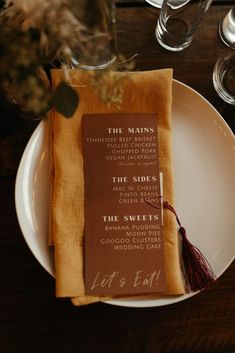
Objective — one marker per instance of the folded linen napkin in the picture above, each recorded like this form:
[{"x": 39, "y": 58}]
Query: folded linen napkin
[{"x": 143, "y": 92}]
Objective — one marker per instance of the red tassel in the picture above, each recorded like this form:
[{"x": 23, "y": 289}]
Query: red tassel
[{"x": 197, "y": 271}]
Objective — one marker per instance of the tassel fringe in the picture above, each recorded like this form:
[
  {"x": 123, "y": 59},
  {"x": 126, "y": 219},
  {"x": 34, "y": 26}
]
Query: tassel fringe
[{"x": 197, "y": 271}]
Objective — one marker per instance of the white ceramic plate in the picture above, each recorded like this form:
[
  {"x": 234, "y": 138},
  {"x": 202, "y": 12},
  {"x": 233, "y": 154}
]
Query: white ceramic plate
[
  {"x": 155, "y": 3},
  {"x": 204, "y": 166}
]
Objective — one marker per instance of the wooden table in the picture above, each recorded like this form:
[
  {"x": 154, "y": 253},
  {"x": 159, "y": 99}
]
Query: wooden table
[{"x": 31, "y": 319}]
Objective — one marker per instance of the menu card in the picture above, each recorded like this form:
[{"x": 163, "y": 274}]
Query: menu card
[{"x": 123, "y": 233}]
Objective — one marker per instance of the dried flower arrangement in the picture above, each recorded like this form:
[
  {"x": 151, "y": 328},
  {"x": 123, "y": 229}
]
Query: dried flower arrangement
[{"x": 32, "y": 40}]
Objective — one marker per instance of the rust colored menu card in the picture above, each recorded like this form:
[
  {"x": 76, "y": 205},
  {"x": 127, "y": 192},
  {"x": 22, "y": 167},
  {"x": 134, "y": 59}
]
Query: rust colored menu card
[{"x": 123, "y": 233}]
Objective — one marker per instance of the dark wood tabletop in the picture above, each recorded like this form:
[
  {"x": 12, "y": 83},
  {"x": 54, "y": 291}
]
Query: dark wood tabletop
[{"x": 31, "y": 319}]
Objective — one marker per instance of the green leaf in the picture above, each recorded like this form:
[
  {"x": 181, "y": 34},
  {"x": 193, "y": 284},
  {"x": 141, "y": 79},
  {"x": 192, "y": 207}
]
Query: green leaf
[{"x": 65, "y": 99}]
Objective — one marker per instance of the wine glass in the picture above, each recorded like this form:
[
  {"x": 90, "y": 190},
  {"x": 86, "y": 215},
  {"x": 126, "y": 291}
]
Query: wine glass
[
  {"x": 227, "y": 27},
  {"x": 155, "y": 3}
]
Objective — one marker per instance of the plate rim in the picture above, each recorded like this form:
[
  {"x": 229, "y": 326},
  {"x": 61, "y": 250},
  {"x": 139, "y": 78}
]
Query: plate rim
[{"x": 18, "y": 192}]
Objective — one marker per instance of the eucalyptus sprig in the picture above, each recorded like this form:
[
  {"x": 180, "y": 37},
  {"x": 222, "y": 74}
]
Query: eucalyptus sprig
[
  {"x": 32, "y": 39},
  {"x": 37, "y": 35}
]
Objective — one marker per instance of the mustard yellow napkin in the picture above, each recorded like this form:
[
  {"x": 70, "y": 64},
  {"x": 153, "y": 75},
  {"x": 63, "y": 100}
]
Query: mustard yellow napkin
[{"x": 143, "y": 92}]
